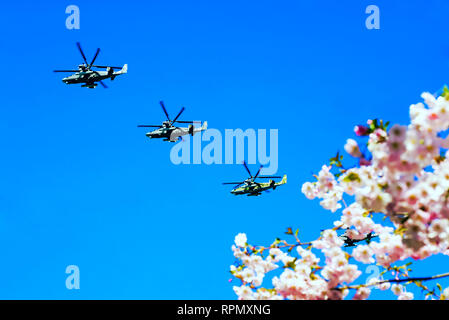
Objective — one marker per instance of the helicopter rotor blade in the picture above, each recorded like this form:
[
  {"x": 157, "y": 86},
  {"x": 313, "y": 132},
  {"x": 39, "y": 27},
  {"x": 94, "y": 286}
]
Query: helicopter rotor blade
[
  {"x": 65, "y": 70},
  {"x": 82, "y": 53},
  {"x": 176, "y": 118},
  {"x": 95, "y": 57},
  {"x": 258, "y": 172},
  {"x": 165, "y": 110},
  {"x": 105, "y": 67},
  {"x": 148, "y": 126},
  {"x": 246, "y": 167},
  {"x": 270, "y": 177},
  {"x": 188, "y": 121},
  {"x": 236, "y": 184}
]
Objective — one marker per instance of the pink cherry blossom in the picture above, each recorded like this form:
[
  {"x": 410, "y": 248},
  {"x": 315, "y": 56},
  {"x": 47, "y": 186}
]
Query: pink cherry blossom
[{"x": 390, "y": 208}]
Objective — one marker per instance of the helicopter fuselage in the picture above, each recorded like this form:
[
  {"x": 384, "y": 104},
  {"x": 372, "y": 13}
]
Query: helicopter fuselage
[
  {"x": 255, "y": 188},
  {"x": 173, "y": 134},
  {"x": 85, "y": 74},
  {"x": 86, "y": 77},
  {"x": 161, "y": 133},
  {"x": 89, "y": 77}
]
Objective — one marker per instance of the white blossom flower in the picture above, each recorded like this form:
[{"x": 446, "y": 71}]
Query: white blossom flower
[{"x": 240, "y": 240}]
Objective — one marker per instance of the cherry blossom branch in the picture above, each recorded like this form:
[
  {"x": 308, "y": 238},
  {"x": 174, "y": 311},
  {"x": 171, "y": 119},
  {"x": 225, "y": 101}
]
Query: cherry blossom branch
[
  {"x": 290, "y": 246},
  {"x": 404, "y": 177},
  {"x": 411, "y": 279}
]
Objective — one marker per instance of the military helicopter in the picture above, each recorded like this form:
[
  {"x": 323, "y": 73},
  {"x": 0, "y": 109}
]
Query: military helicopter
[
  {"x": 89, "y": 77},
  {"x": 350, "y": 242},
  {"x": 252, "y": 188},
  {"x": 168, "y": 131}
]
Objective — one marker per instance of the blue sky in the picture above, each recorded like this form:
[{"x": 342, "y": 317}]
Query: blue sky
[{"x": 80, "y": 184}]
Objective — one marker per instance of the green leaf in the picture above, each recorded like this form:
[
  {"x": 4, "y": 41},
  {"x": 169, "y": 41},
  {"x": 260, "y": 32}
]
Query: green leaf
[
  {"x": 276, "y": 241},
  {"x": 291, "y": 264},
  {"x": 445, "y": 93},
  {"x": 352, "y": 176}
]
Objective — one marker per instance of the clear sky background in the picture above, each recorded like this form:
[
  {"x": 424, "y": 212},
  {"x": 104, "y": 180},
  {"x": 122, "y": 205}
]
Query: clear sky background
[{"x": 80, "y": 184}]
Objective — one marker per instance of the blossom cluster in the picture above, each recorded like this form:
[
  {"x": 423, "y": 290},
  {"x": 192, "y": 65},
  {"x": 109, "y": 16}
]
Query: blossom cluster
[{"x": 402, "y": 178}]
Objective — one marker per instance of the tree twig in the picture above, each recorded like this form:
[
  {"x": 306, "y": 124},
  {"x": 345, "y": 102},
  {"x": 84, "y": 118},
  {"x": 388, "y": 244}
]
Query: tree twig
[{"x": 412, "y": 279}]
